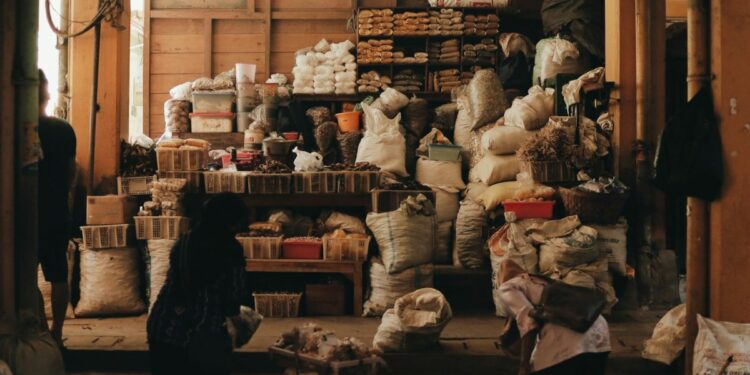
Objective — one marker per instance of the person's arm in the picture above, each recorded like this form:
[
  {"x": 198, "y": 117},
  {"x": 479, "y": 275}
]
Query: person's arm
[
  {"x": 528, "y": 341},
  {"x": 513, "y": 294}
]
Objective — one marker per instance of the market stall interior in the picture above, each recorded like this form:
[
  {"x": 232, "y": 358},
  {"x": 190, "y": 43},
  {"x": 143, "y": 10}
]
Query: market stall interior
[{"x": 419, "y": 153}]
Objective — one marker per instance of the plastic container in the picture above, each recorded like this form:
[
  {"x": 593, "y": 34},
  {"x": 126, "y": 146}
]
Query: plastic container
[
  {"x": 440, "y": 152},
  {"x": 277, "y": 305},
  {"x": 225, "y": 182},
  {"x": 140, "y": 185},
  {"x": 261, "y": 247},
  {"x": 245, "y": 72},
  {"x": 173, "y": 159},
  {"x": 261, "y": 183},
  {"x": 291, "y": 136},
  {"x": 246, "y": 90},
  {"x": 302, "y": 248},
  {"x": 105, "y": 236},
  {"x": 531, "y": 210},
  {"x": 160, "y": 227},
  {"x": 212, "y": 102},
  {"x": 194, "y": 179},
  {"x": 348, "y": 121},
  {"x": 246, "y": 103},
  {"x": 211, "y": 122},
  {"x": 243, "y": 121}
]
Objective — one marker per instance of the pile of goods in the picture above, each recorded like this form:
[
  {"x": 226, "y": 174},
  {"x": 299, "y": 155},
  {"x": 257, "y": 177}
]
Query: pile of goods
[
  {"x": 418, "y": 58},
  {"x": 414, "y": 323},
  {"x": 312, "y": 340},
  {"x": 325, "y": 68},
  {"x": 446, "y": 22},
  {"x": 408, "y": 80},
  {"x": 375, "y": 22},
  {"x": 482, "y": 53},
  {"x": 411, "y": 23},
  {"x": 375, "y": 51},
  {"x": 445, "y": 52},
  {"x": 481, "y": 25},
  {"x": 372, "y": 82},
  {"x": 137, "y": 160},
  {"x": 166, "y": 198}
]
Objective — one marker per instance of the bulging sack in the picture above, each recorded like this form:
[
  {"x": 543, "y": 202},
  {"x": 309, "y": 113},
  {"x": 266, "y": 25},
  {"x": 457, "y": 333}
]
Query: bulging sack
[
  {"x": 716, "y": 341},
  {"x": 493, "y": 169},
  {"x": 439, "y": 173},
  {"x": 383, "y": 144},
  {"x": 486, "y": 98},
  {"x": 668, "y": 339},
  {"x": 446, "y": 203},
  {"x": 110, "y": 283},
  {"x": 504, "y": 140},
  {"x": 532, "y": 111},
  {"x": 386, "y": 287},
  {"x": 471, "y": 226},
  {"x": 613, "y": 239},
  {"x": 159, "y": 252}
]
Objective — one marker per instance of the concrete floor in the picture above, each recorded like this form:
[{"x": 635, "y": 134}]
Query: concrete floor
[{"x": 467, "y": 345}]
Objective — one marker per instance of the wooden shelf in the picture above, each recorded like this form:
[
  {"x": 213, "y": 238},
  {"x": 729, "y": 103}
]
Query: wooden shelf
[{"x": 308, "y": 200}]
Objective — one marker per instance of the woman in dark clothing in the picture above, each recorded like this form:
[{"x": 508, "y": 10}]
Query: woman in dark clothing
[{"x": 205, "y": 284}]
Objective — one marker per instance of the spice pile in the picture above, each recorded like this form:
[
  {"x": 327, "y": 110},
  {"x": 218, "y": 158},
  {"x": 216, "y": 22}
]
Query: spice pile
[
  {"x": 446, "y": 22},
  {"x": 375, "y": 22},
  {"x": 375, "y": 51}
]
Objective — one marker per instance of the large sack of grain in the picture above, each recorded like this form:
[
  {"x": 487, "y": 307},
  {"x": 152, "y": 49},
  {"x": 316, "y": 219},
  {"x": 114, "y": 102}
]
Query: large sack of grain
[
  {"x": 493, "y": 169},
  {"x": 390, "y": 103},
  {"x": 532, "y": 111},
  {"x": 494, "y": 196},
  {"x": 415, "y": 323},
  {"x": 668, "y": 339},
  {"x": 613, "y": 239},
  {"x": 383, "y": 144},
  {"x": 406, "y": 237},
  {"x": 486, "y": 99},
  {"x": 563, "y": 253},
  {"x": 446, "y": 203},
  {"x": 462, "y": 131},
  {"x": 417, "y": 114},
  {"x": 718, "y": 341},
  {"x": 386, "y": 288},
  {"x": 504, "y": 140},
  {"x": 110, "y": 283},
  {"x": 471, "y": 226},
  {"x": 444, "y": 242},
  {"x": 475, "y": 147},
  {"x": 439, "y": 173},
  {"x": 159, "y": 252}
]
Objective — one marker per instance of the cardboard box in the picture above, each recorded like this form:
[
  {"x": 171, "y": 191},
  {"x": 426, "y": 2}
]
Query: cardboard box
[
  {"x": 110, "y": 209},
  {"x": 325, "y": 299}
]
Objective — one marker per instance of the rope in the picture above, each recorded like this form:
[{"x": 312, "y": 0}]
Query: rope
[{"x": 109, "y": 10}]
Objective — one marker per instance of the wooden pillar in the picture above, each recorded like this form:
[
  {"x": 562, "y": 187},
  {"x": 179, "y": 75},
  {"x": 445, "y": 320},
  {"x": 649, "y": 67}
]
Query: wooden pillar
[{"x": 113, "y": 85}]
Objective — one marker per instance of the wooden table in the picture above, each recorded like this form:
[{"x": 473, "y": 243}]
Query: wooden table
[{"x": 351, "y": 270}]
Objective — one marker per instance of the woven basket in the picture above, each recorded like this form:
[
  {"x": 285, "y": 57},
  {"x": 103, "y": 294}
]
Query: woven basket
[
  {"x": 549, "y": 171},
  {"x": 593, "y": 207}
]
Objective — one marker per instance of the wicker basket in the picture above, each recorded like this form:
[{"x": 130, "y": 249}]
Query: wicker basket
[
  {"x": 194, "y": 179},
  {"x": 261, "y": 183},
  {"x": 593, "y": 207},
  {"x": 225, "y": 182},
  {"x": 140, "y": 185},
  {"x": 549, "y": 171},
  {"x": 106, "y": 236},
  {"x": 160, "y": 227},
  {"x": 277, "y": 305},
  {"x": 261, "y": 247},
  {"x": 345, "y": 249},
  {"x": 173, "y": 159}
]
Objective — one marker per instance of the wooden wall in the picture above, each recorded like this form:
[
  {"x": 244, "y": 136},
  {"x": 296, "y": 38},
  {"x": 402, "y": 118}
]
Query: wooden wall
[{"x": 188, "y": 39}]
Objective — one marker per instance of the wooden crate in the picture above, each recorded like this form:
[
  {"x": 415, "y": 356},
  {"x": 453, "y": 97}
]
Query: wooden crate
[
  {"x": 261, "y": 247},
  {"x": 194, "y": 179},
  {"x": 140, "y": 185},
  {"x": 172, "y": 159},
  {"x": 277, "y": 305},
  {"x": 160, "y": 227},
  {"x": 105, "y": 236},
  {"x": 314, "y": 182},
  {"x": 390, "y": 200},
  {"x": 262, "y": 183},
  {"x": 225, "y": 182},
  {"x": 345, "y": 249},
  {"x": 325, "y": 299}
]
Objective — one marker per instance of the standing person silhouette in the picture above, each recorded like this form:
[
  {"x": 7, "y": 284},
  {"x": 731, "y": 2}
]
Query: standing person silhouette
[{"x": 57, "y": 171}]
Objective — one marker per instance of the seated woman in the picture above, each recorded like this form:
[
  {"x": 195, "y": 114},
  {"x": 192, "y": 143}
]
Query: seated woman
[
  {"x": 205, "y": 284},
  {"x": 547, "y": 348}
]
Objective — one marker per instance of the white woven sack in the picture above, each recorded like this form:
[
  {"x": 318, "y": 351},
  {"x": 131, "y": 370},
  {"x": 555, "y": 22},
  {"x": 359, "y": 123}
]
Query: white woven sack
[
  {"x": 110, "y": 283},
  {"x": 493, "y": 169},
  {"x": 439, "y": 173},
  {"x": 159, "y": 252},
  {"x": 717, "y": 341},
  {"x": 504, "y": 140},
  {"x": 668, "y": 339},
  {"x": 613, "y": 239},
  {"x": 383, "y": 144},
  {"x": 404, "y": 240},
  {"x": 387, "y": 288}
]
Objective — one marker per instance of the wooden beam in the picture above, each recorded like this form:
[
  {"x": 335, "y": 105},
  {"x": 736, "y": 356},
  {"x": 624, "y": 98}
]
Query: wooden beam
[
  {"x": 677, "y": 9},
  {"x": 208, "y": 38},
  {"x": 218, "y": 14},
  {"x": 318, "y": 14},
  {"x": 250, "y": 7},
  {"x": 267, "y": 30},
  {"x": 147, "y": 67}
]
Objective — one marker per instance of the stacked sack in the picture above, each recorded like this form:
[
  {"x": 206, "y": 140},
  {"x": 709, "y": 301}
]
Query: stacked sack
[
  {"x": 372, "y": 82},
  {"x": 445, "y": 52},
  {"x": 482, "y": 53},
  {"x": 531, "y": 112},
  {"x": 408, "y": 80},
  {"x": 446, "y": 80},
  {"x": 325, "y": 69},
  {"x": 483, "y": 25},
  {"x": 446, "y": 22},
  {"x": 375, "y": 22},
  {"x": 375, "y": 51},
  {"x": 411, "y": 23}
]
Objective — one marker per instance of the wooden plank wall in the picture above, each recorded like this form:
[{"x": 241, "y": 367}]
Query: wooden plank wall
[{"x": 188, "y": 39}]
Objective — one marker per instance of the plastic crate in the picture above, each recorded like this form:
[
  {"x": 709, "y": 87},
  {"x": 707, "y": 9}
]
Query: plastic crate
[
  {"x": 173, "y": 159},
  {"x": 194, "y": 179},
  {"x": 225, "y": 182},
  {"x": 277, "y": 305},
  {"x": 140, "y": 185},
  {"x": 356, "y": 182},
  {"x": 267, "y": 183},
  {"x": 212, "y": 102},
  {"x": 261, "y": 247},
  {"x": 530, "y": 210},
  {"x": 160, "y": 227},
  {"x": 345, "y": 249},
  {"x": 105, "y": 236},
  {"x": 211, "y": 122},
  {"x": 314, "y": 182}
]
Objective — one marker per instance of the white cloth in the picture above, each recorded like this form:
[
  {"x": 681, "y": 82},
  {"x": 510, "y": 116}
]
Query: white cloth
[{"x": 555, "y": 343}]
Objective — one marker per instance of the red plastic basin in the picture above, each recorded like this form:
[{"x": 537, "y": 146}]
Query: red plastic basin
[
  {"x": 301, "y": 249},
  {"x": 530, "y": 210}
]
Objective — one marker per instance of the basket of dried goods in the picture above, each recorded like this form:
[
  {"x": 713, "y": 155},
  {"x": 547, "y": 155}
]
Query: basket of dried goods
[{"x": 598, "y": 201}]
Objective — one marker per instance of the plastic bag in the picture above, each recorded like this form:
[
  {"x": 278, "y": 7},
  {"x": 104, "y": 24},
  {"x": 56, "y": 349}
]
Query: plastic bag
[
  {"x": 486, "y": 99},
  {"x": 716, "y": 341},
  {"x": 307, "y": 161},
  {"x": 390, "y": 103},
  {"x": 110, "y": 283},
  {"x": 613, "y": 239},
  {"x": 383, "y": 144},
  {"x": 668, "y": 339},
  {"x": 183, "y": 91}
]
